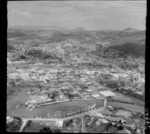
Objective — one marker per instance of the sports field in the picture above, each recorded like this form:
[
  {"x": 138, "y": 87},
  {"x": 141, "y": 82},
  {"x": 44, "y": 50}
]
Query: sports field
[
  {"x": 18, "y": 98},
  {"x": 56, "y": 110}
]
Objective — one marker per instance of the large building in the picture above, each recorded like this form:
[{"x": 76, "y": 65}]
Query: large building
[{"x": 107, "y": 93}]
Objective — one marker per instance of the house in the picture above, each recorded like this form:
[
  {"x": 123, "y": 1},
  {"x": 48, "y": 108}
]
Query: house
[
  {"x": 87, "y": 96},
  {"x": 84, "y": 93},
  {"x": 140, "y": 92},
  {"x": 59, "y": 123},
  {"x": 98, "y": 122},
  {"x": 61, "y": 97},
  {"x": 100, "y": 115},
  {"x": 9, "y": 119},
  {"x": 89, "y": 90},
  {"x": 95, "y": 95}
]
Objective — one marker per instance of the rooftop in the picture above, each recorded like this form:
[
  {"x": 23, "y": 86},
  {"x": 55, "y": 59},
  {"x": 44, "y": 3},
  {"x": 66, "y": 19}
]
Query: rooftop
[
  {"x": 95, "y": 95},
  {"x": 107, "y": 93}
]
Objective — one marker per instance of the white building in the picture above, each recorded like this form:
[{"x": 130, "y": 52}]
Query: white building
[
  {"x": 95, "y": 95},
  {"x": 84, "y": 93},
  {"x": 61, "y": 96},
  {"x": 99, "y": 114},
  {"x": 89, "y": 90},
  {"x": 140, "y": 92},
  {"x": 107, "y": 93},
  {"x": 9, "y": 119}
]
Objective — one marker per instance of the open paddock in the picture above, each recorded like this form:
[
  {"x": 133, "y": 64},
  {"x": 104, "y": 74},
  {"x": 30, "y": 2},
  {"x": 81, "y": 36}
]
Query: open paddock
[
  {"x": 123, "y": 98},
  {"x": 133, "y": 108},
  {"x": 113, "y": 83},
  {"x": 11, "y": 91}
]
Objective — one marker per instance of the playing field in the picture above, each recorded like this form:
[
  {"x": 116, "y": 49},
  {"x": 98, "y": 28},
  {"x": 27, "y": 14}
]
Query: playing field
[
  {"x": 17, "y": 99},
  {"x": 53, "y": 110}
]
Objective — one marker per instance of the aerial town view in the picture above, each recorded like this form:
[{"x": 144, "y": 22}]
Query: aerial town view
[{"x": 76, "y": 67}]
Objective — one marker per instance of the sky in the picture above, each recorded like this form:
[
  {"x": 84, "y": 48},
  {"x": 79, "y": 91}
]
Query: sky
[{"x": 90, "y": 15}]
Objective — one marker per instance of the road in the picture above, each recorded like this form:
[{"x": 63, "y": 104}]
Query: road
[
  {"x": 83, "y": 125},
  {"x": 23, "y": 124},
  {"x": 76, "y": 90}
]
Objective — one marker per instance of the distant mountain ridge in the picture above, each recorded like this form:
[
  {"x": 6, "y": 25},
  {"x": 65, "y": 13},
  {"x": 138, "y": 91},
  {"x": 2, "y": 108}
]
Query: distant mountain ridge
[
  {"x": 129, "y": 40},
  {"x": 38, "y": 28},
  {"x": 131, "y": 48},
  {"x": 130, "y": 30},
  {"x": 79, "y": 29},
  {"x": 113, "y": 38}
]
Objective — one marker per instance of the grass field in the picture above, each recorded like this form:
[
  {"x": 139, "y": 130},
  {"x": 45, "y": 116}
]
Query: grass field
[
  {"x": 17, "y": 99},
  {"x": 12, "y": 91},
  {"x": 134, "y": 108},
  {"x": 64, "y": 108},
  {"x": 123, "y": 98}
]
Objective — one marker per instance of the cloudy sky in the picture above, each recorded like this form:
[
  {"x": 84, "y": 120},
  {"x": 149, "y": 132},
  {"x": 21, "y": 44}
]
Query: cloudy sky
[{"x": 90, "y": 15}]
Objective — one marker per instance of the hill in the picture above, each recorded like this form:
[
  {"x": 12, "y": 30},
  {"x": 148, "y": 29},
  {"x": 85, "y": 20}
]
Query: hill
[
  {"x": 79, "y": 29},
  {"x": 128, "y": 40},
  {"x": 130, "y": 30},
  {"x": 131, "y": 48}
]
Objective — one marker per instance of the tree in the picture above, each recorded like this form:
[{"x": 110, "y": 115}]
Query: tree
[
  {"x": 56, "y": 131},
  {"x": 67, "y": 124},
  {"x": 71, "y": 121},
  {"x": 14, "y": 126},
  {"x": 120, "y": 127},
  {"x": 28, "y": 123},
  {"x": 46, "y": 129}
]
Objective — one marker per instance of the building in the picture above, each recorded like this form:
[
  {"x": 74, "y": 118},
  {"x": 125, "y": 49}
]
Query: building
[
  {"x": 98, "y": 122},
  {"x": 84, "y": 93},
  {"x": 107, "y": 93},
  {"x": 60, "y": 123},
  {"x": 141, "y": 92},
  {"x": 9, "y": 119},
  {"x": 95, "y": 95},
  {"x": 61, "y": 96},
  {"x": 100, "y": 115},
  {"x": 89, "y": 90}
]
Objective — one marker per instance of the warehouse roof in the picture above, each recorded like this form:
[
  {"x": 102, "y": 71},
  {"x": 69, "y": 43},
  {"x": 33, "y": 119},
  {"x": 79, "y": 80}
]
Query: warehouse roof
[{"x": 107, "y": 93}]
